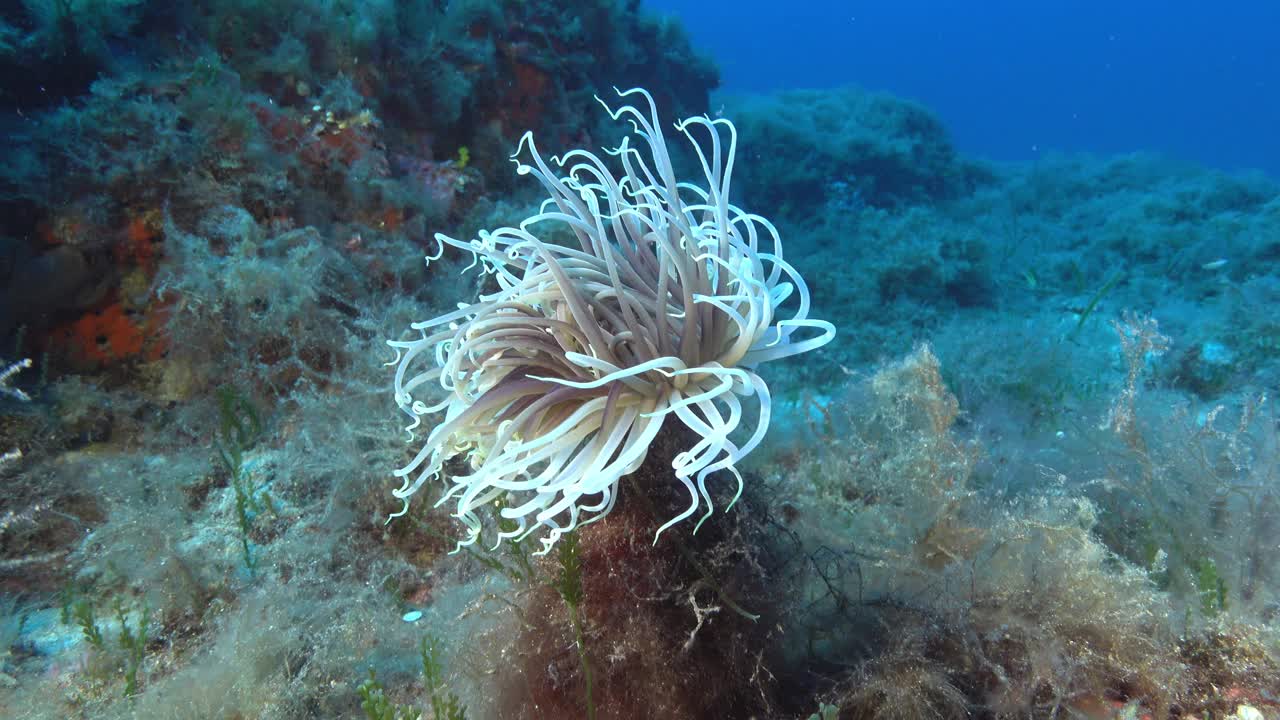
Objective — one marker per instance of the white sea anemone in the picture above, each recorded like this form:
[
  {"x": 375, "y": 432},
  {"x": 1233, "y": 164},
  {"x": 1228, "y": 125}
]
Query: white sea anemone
[{"x": 556, "y": 384}]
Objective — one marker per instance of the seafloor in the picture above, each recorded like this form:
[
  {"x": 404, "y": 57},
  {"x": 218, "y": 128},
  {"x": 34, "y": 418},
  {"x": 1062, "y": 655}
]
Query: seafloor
[{"x": 1036, "y": 474}]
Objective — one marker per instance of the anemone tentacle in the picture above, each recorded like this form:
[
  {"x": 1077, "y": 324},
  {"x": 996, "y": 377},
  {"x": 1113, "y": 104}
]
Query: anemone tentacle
[{"x": 553, "y": 388}]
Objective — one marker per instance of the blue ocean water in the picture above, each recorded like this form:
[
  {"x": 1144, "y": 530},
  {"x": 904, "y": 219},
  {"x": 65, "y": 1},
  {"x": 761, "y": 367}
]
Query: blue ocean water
[{"x": 1011, "y": 80}]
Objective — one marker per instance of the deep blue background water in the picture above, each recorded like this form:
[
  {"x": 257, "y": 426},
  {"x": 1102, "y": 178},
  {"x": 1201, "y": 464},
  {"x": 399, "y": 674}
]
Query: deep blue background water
[{"x": 1013, "y": 78}]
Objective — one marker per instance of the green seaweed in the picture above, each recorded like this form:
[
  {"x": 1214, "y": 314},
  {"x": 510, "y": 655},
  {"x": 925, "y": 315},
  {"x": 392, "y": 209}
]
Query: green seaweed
[
  {"x": 445, "y": 705},
  {"x": 569, "y": 584},
  {"x": 1097, "y": 298},
  {"x": 376, "y": 706},
  {"x": 132, "y": 640},
  {"x": 81, "y": 611},
  {"x": 240, "y": 429},
  {"x": 134, "y": 643},
  {"x": 1211, "y": 588}
]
